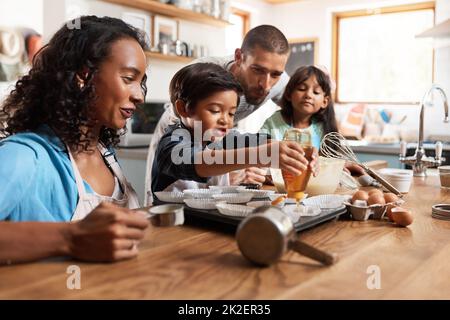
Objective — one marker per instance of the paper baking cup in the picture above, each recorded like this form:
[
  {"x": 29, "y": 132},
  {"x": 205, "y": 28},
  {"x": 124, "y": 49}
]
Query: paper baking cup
[
  {"x": 227, "y": 189},
  {"x": 287, "y": 200},
  {"x": 234, "y": 210},
  {"x": 258, "y": 194},
  {"x": 262, "y": 203},
  {"x": 198, "y": 203},
  {"x": 170, "y": 196},
  {"x": 326, "y": 201},
  {"x": 233, "y": 197},
  {"x": 200, "y": 193},
  {"x": 295, "y": 212}
]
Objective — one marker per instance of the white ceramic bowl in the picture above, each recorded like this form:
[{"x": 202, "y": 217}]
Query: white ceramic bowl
[
  {"x": 233, "y": 197},
  {"x": 200, "y": 193},
  {"x": 203, "y": 204},
  {"x": 170, "y": 196},
  {"x": 400, "y": 178},
  {"x": 234, "y": 210}
]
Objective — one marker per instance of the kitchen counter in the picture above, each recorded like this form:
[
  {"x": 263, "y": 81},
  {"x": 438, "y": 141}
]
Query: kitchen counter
[
  {"x": 388, "y": 148},
  {"x": 192, "y": 262}
]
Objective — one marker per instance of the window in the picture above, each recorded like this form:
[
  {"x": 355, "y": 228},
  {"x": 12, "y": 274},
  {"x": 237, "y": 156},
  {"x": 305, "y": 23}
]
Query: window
[
  {"x": 376, "y": 57},
  {"x": 234, "y": 34}
]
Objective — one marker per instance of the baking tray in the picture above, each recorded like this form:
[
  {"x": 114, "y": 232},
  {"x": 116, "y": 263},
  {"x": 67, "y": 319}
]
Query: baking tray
[{"x": 197, "y": 216}]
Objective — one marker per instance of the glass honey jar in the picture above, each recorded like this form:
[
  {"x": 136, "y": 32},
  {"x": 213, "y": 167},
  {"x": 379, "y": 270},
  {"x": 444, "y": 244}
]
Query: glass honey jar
[{"x": 296, "y": 185}]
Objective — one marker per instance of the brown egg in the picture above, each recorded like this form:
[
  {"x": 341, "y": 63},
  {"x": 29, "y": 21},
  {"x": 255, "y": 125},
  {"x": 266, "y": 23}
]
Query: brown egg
[
  {"x": 402, "y": 216},
  {"x": 376, "y": 198},
  {"x": 360, "y": 195},
  {"x": 390, "y": 197},
  {"x": 373, "y": 191}
]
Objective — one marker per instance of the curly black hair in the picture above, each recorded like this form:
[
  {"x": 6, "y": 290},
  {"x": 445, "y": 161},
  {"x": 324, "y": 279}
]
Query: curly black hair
[{"x": 49, "y": 94}]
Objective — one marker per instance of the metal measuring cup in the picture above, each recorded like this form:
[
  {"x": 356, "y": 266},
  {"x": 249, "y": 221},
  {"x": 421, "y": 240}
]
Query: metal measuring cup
[
  {"x": 264, "y": 236},
  {"x": 166, "y": 215}
]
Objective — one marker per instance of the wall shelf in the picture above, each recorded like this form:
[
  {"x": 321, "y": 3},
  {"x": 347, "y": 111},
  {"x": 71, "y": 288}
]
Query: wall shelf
[
  {"x": 171, "y": 11},
  {"x": 167, "y": 57}
]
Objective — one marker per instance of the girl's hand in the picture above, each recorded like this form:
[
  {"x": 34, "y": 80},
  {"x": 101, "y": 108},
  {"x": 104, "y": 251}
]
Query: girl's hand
[
  {"x": 314, "y": 163},
  {"x": 108, "y": 233}
]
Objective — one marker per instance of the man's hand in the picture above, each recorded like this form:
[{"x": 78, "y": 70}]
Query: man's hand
[{"x": 251, "y": 175}]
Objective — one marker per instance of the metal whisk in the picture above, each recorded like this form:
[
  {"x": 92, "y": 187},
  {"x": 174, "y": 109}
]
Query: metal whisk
[{"x": 335, "y": 146}]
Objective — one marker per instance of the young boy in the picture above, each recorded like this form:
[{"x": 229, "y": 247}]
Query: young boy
[{"x": 205, "y": 97}]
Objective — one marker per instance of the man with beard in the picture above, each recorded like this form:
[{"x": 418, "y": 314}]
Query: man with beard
[{"x": 259, "y": 68}]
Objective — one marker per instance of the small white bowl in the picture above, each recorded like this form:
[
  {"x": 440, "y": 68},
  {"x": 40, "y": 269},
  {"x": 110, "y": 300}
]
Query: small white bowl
[
  {"x": 170, "y": 196},
  {"x": 233, "y": 197},
  {"x": 400, "y": 178},
  {"x": 200, "y": 193},
  {"x": 227, "y": 189},
  {"x": 234, "y": 210},
  {"x": 203, "y": 204},
  {"x": 262, "y": 203}
]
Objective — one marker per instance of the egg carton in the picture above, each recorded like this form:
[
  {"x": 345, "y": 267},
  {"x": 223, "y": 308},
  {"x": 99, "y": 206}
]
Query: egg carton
[{"x": 374, "y": 211}]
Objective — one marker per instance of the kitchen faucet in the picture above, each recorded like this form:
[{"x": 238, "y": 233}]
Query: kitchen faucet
[{"x": 419, "y": 161}]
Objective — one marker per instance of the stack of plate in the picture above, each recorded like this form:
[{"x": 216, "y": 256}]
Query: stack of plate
[{"x": 441, "y": 211}]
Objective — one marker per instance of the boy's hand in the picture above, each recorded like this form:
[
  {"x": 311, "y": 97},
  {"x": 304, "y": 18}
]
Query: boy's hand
[{"x": 291, "y": 157}]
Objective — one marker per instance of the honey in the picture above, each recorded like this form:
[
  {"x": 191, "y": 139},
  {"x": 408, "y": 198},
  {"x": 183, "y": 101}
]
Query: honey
[{"x": 296, "y": 185}]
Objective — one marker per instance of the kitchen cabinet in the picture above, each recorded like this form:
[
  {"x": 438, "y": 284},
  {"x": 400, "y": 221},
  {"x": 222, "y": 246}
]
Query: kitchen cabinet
[
  {"x": 133, "y": 163},
  {"x": 166, "y": 57},
  {"x": 172, "y": 11}
]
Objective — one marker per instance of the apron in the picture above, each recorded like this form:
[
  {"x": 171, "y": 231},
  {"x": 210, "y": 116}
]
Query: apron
[{"x": 89, "y": 201}]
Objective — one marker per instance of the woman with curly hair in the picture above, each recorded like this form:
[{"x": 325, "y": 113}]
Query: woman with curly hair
[{"x": 57, "y": 163}]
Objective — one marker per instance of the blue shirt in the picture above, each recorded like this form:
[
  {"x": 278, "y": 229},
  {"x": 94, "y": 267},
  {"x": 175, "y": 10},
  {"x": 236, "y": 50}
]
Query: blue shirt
[{"x": 37, "y": 182}]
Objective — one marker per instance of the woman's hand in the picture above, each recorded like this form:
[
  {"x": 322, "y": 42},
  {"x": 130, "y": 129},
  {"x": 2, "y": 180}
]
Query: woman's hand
[{"x": 108, "y": 233}]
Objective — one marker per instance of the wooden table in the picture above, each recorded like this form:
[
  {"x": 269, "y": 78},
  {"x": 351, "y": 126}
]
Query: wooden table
[{"x": 189, "y": 262}]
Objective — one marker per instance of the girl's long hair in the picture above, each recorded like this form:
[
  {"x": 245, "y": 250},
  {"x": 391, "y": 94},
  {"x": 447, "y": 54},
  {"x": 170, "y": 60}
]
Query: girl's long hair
[{"x": 326, "y": 116}]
